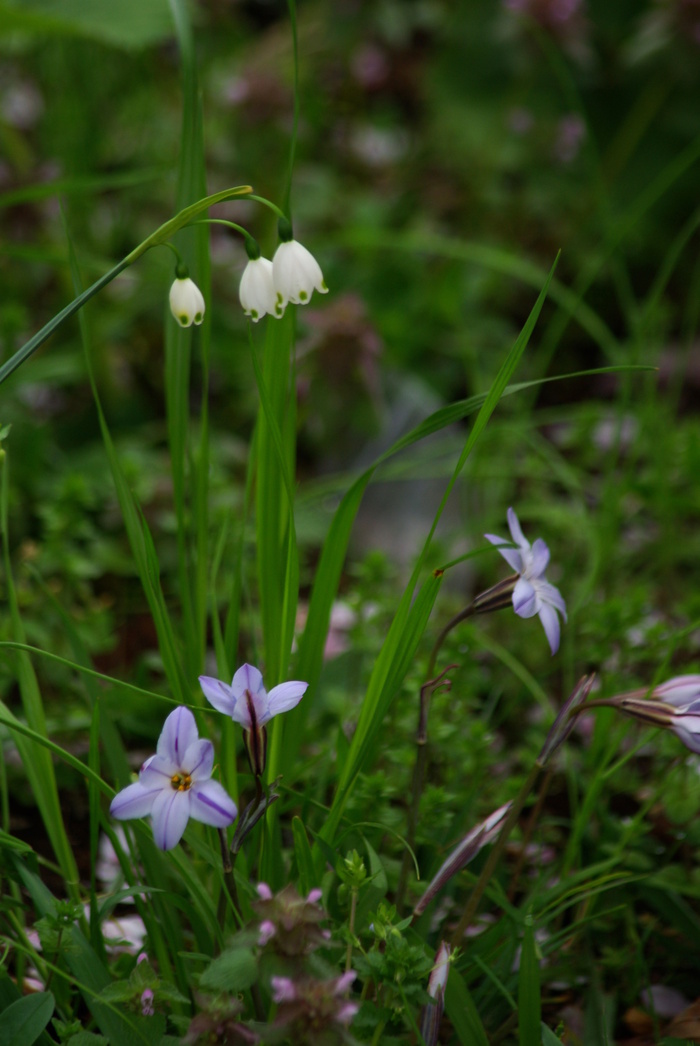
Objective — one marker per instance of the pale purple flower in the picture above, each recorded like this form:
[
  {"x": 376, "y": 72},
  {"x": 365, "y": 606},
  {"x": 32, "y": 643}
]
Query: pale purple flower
[
  {"x": 683, "y": 693},
  {"x": 175, "y": 784},
  {"x": 532, "y": 594},
  {"x": 247, "y": 701},
  {"x": 147, "y": 1003}
]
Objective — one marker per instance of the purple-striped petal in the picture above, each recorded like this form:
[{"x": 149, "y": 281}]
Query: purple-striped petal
[
  {"x": 540, "y": 558},
  {"x": 211, "y": 804},
  {"x": 511, "y": 555},
  {"x": 524, "y": 598},
  {"x": 198, "y": 760},
  {"x": 247, "y": 678},
  {"x": 285, "y": 696},
  {"x": 157, "y": 771},
  {"x": 687, "y": 728},
  {"x": 179, "y": 731},
  {"x": 679, "y": 691},
  {"x": 515, "y": 530},
  {"x": 550, "y": 594},
  {"x": 170, "y": 813},
  {"x": 218, "y": 694},
  {"x": 133, "y": 801},
  {"x": 550, "y": 623}
]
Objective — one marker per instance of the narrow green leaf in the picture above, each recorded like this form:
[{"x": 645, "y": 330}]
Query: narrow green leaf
[
  {"x": 302, "y": 853},
  {"x": 23, "y": 1022},
  {"x": 529, "y": 1000},
  {"x": 140, "y": 539},
  {"x": 36, "y": 761},
  {"x": 549, "y": 1038},
  {"x": 190, "y": 472},
  {"x": 461, "y": 1010},
  {"x": 389, "y": 670}
]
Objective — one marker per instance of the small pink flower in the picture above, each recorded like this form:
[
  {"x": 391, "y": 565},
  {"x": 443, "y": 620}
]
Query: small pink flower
[
  {"x": 283, "y": 990},
  {"x": 267, "y": 931}
]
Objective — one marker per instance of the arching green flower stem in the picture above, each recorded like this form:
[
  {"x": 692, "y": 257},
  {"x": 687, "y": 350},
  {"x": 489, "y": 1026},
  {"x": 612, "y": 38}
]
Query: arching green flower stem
[{"x": 160, "y": 236}]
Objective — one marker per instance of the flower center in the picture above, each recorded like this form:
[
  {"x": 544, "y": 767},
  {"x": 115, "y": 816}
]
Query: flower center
[{"x": 181, "y": 782}]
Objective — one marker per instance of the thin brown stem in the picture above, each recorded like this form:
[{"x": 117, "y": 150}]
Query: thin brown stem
[{"x": 418, "y": 780}]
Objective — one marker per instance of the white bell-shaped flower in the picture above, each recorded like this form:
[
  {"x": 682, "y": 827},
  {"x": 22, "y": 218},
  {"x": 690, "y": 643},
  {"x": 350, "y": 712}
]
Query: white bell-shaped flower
[
  {"x": 296, "y": 274},
  {"x": 257, "y": 290},
  {"x": 186, "y": 302}
]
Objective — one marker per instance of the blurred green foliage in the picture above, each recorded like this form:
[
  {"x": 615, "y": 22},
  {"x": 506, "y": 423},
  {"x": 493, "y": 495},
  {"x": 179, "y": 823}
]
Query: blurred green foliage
[{"x": 448, "y": 149}]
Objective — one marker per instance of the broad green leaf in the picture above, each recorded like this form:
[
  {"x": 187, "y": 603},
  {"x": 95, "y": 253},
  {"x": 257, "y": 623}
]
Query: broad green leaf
[
  {"x": 128, "y": 24},
  {"x": 22, "y": 1023},
  {"x": 233, "y": 971}
]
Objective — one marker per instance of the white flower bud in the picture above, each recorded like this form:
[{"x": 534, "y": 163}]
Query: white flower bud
[{"x": 186, "y": 302}]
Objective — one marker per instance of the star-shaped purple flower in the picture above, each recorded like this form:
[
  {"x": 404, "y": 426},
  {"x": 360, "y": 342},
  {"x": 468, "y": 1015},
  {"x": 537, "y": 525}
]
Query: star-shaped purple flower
[
  {"x": 247, "y": 701},
  {"x": 175, "y": 784},
  {"x": 532, "y": 594}
]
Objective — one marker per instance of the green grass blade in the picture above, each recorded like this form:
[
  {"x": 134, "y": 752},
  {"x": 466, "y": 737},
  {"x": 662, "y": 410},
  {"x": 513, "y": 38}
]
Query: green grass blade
[
  {"x": 140, "y": 540},
  {"x": 390, "y": 668},
  {"x": 36, "y": 760},
  {"x": 190, "y": 473},
  {"x": 274, "y": 515},
  {"x": 302, "y": 853},
  {"x": 529, "y": 1000},
  {"x": 463, "y": 1013}
]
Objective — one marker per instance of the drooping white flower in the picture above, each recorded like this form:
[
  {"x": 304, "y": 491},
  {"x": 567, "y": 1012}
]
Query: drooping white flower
[
  {"x": 175, "y": 784},
  {"x": 247, "y": 701},
  {"x": 186, "y": 302},
  {"x": 257, "y": 290},
  {"x": 532, "y": 593},
  {"x": 296, "y": 274}
]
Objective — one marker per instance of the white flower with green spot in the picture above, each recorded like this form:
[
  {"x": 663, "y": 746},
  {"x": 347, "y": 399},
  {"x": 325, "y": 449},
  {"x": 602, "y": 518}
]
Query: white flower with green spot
[
  {"x": 257, "y": 290},
  {"x": 295, "y": 271},
  {"x": 187, "y": 302}
]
